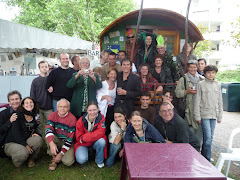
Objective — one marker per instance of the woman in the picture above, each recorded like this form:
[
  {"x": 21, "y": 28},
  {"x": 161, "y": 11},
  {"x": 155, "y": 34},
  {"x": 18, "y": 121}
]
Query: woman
[
  {"x": 106, "y": 97},
  {"x": 161, "y": 72},
  {"x": 146, "y": 77},
  {"x": 181, "y": 57},
  {"x": 90, "y": 132},
  {"x": 23, "y": 141},
  {"x": 140, "y": 131},
  {"x": 191, "y": 79},
  {"x": 85, "y": 83},
  {"x": 147, "y": 49},
  {"x": 116, "y": 137}
]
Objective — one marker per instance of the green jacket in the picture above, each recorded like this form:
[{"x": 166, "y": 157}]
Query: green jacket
[
  {"x": 180, "y": 93},
  {"x": 78, "y": 89}
]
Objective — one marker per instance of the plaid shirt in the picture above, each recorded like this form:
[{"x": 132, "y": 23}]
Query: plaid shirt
[{"x": 148, "y": 87}]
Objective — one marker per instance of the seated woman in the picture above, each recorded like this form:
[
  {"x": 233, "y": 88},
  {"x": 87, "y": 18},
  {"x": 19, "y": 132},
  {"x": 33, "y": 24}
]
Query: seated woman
[
  {"x": 90, "y": 132},
  {"x": 140, "y": 131},
  {"x": 116, "y": 137},
  {"x": 181, "y": 57},
  {"x": 23, "y": 141},
  {"x": 146, "y": 77},
  {"x": 106, "y": 97},
  {"x": 161, "y": 72},
  {"x": 85, "y": 83}
]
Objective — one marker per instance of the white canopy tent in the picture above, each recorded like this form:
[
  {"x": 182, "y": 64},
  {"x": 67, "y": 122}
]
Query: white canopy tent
[{"x": 18, "y": 37}]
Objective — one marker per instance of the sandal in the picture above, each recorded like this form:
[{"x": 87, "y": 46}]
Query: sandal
[
  {"x": 52, "y": 166},
  {"x": 31, "y": 163}
]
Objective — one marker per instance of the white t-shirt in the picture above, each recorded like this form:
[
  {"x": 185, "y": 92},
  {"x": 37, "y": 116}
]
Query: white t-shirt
[{"x": 115, "y": 129}]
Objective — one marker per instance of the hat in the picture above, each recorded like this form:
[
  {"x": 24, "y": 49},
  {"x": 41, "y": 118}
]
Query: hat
[{"x": 160, "y": 41}]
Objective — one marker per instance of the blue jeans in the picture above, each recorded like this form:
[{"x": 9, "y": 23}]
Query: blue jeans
[
  {"x": 208, "y": 127},
  {"x": 114, "y": 149},
  {"x": 82, "y": 152},
  {"x": 54, "y": 104}
]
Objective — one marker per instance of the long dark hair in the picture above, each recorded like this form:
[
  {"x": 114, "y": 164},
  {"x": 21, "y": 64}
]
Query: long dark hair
[{"x": 35, "y": 108}]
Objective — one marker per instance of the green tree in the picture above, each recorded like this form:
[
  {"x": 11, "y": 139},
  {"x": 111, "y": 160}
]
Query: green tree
[
  {"x": 203, "y": 48},
  {"x": 62, "y": 16},
  {"x": 235, "y": 33}
]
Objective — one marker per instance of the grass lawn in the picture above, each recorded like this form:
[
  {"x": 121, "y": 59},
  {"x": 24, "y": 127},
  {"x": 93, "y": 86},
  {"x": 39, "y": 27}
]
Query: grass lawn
[{"x": 40, "y": 171}]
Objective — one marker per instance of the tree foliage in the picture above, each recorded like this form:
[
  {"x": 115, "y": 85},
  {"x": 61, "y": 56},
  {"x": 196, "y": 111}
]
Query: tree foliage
[
  {"x": 203, "y": 48},
  {"x": 60, "y": 15},
  {"x": 235, "y": 33}
]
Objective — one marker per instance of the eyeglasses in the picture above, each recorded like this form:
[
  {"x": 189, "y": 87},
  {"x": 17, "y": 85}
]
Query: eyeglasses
[
  {"x": 131, "y": 37},
  {"x": 166, "y": 111},
  {"x": 170, "y": 97}
]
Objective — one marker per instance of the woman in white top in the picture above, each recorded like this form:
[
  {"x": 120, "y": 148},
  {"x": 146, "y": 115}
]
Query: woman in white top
[
  {"x": 106, "y": 97},
  {"x": 116, "y": 137}
]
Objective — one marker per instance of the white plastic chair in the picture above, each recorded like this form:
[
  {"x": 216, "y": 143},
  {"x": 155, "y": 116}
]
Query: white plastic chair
[{"x": 233, "y": 154}]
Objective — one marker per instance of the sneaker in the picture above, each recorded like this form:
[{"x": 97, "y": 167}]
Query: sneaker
[{"x": 100, "y": 165}]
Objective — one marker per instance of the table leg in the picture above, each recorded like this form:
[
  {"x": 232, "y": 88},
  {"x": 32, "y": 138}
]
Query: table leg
[{"x": 123, "y": 175}]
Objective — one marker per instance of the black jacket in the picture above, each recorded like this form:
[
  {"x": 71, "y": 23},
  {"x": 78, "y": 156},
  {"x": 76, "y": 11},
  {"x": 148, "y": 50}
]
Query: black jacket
[
  {"x": 133, "y": 87},
  {"x": 5, "y": 126},
  {"x": 177, "y": 131},
  {"x": 19, "y": 133}
]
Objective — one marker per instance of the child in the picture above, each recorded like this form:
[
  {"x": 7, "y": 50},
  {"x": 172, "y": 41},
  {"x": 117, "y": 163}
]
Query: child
[
  {"x": 39, "y": 93},
  {"x": 208, "y": 107}
]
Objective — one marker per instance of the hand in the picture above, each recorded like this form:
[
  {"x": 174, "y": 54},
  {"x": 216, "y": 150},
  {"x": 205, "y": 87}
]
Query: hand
[
  {"x": 219, "y": 122},
  {"x": 35, "y": 135},
  {"x": 53, "y": 148},
  {"x": 13, "y": 117},
  {"x": 80, "y": 73},
  {"x": 190, "y": 91},
  {"x": 58, "y": 158},
  {"x": 167, "y": 101},
  {"x": 199, "y": 122},
  {"x": 50, "y": 89},
  {"x": 30, "y": 150},
  {"x": 108, "y": 98},
  {"x": 123, "y": 125},
  {"x": 160, "y": 88},
  {"x": 167, "y": 141},
  {"x": 121, "y": 152},
  {"x": 121, "y": 91},
  {"x": 91, "y": 74}
]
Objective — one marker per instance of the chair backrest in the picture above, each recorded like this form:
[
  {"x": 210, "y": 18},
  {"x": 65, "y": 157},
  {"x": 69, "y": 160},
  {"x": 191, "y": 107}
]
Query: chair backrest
[{"x": 230, "y": 140}]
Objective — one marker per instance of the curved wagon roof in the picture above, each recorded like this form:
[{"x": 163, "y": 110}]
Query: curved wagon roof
[{"x": 157, "y": 14}]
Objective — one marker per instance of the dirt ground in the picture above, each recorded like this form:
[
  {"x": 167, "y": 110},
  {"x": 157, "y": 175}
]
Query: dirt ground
[{"x": 231, "y": 120}]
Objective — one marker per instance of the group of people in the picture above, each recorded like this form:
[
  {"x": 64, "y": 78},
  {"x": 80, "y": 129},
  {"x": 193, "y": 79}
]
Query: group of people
[{"x": 90, "y": 107}]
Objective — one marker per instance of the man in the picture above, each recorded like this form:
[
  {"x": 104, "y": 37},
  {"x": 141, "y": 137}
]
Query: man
[
  {"x": 111, "y": 64},
  {"x": 146, "y": 111},
  {"x": 202, "y": 63},
  {"x": 168, "y": 61},
  {"x": 173, "y": 128},
  {"x": 39, "y": 93},
  {"x": 103, "y": 59},
  {"x": 122, "y": 55},
  {"x": 128, "y": 87},
  {"x": 60, "y": 133},
  {"x": 8, "y": 116},
  {"x": 75, "y": 62},
  {"x": 57, "y": 80}
]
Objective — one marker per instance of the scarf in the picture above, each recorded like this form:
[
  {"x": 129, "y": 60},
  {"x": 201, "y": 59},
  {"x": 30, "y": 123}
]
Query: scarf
[
  {"x": 29, "y": 113},
  {"x": 85, "y": 94},
  {"x": 194, "y": 80}
]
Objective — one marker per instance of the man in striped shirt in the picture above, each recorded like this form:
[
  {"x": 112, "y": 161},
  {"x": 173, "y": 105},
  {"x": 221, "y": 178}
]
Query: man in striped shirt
[{"x": 60, "y": 133}]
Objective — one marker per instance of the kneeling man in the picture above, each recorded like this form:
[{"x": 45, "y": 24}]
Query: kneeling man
[
  {"x": 60, "y": 133},
  {"x": 173, "y": 128}
]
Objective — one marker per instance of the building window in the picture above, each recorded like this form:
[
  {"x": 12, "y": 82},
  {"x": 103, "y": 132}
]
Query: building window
[
  {"x": 217, "y": 63},
  {"x": 218, "y": 28},
  {"x": 218, "y": 47}
]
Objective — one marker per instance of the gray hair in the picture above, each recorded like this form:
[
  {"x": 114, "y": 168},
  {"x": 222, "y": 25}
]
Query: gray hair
[
  {"x": 63, "y": 99},
  {"x": 192, "y": 61},
  {"x": 84, "y": 57}
]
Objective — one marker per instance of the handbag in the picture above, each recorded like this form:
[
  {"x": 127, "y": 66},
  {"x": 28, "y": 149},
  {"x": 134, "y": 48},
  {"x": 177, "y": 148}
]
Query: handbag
[{"x": 181, "y": 102}]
